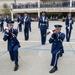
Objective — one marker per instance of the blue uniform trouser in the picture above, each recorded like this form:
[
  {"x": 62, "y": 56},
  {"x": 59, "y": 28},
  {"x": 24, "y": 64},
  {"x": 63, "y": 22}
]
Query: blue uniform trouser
[
  {"x": 55, "y": 57},
  {"x": 20, "y": 27},
  {"x": 26, "y": 33},
  {"x": 2, "y": 28},
  {"x": 62, "y": 51},
  {"x": 7, "y": 24},
  {"x": 43, "y": 38},
  {"x": 68, "y": 34},
  {"x": 14, "y": 56},
  {"x": 30, "y": 28}
]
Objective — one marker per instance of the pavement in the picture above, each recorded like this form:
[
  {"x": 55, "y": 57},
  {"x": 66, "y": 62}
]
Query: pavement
[{"x": 34, "y": 58}]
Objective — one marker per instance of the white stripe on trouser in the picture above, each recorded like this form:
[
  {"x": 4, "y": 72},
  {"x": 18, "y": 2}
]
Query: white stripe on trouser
[{"x": 56, "y": 58}]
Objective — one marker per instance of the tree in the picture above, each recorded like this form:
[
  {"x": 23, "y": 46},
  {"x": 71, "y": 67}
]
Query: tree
[{"x": 6, "y": 10}]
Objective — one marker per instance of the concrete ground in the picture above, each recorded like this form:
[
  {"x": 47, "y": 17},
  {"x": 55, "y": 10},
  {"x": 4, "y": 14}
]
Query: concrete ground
[{"x": 34, "y": 59}]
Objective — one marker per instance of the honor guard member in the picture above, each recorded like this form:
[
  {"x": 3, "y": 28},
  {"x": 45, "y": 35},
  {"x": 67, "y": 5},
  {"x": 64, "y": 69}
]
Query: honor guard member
[
  {"x": 57, "y": 47},
  {"x": 20, "y": 22},
  {"x": 13, "y": 44},
  {"x": 7, "y": 19},
  {"x": 1, "y": 23},
  {"x": 26, "y": 22},
  {"x": 43, "y": 26},
  {"x": 69, "y": 22}
]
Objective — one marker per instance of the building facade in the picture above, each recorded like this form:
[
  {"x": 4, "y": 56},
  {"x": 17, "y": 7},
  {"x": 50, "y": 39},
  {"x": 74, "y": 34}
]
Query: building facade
[{"x": 54, "y": 8}]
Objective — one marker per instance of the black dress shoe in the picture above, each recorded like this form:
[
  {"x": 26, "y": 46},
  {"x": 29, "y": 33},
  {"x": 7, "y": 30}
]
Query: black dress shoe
[
  {"x": 43, "y": 43},
  {"x": 16, "y": 67},
  {"x": 53, "y": 70},
  {"x": 68, "y": 41},
  {"x": 61, "y": 55},
  {"x": 26, "y": 39},
  {"x": 12, "y": 59}
]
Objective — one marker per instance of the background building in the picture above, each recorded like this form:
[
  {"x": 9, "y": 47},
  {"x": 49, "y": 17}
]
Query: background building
[{"x": 56, "y": 9}]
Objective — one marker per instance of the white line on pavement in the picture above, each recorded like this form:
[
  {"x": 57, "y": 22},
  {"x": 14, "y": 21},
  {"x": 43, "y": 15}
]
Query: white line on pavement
[{"x": 37, "y": 41}]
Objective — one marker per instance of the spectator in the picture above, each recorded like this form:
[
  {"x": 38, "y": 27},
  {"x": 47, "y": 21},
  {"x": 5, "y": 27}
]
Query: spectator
[{"x": 44, "y": 4}]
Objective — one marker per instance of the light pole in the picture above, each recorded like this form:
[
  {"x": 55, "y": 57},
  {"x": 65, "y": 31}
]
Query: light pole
[
  {"x": 11, "y": 12},
  {"x": 70, "y": 5},
  {"x": 39, "y": 8},
  {"x": 15, "y": 1}
]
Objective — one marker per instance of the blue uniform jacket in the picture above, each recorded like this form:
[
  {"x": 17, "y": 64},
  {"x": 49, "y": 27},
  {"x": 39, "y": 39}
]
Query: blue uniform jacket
[
  {"x": 13, "y": 43},
  {"x": 30, "y": 20},
  {"x": 1, "y": 21},
  {"x": 7, "y": 19},
  {"x": 20, "y": 20},
  {"x": 56, "y": 40},
  {"x": 67, "y": 23},
  {"x": 27, "y": 22},
  {"x": 43, "y": 24}
]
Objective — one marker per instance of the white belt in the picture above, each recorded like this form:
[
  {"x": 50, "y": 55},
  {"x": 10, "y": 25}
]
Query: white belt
[{"x": 42, "y": 24}]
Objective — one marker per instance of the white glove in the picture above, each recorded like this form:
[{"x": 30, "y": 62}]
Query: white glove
[
  {"x": 70, "y": 21},
  {"x": 51, "y": 31},
  {"x": 18, "y": 23},
  {"x": 5, "y": 28},
  {"x": 45, "y": 20},
  {"x": 24, "y": 20},
  {"x": 68, "y": 27},
  {"x": 7, "y": 31}
]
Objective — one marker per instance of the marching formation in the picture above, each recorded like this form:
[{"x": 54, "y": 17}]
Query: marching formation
[{"x": 56, "y": 38}]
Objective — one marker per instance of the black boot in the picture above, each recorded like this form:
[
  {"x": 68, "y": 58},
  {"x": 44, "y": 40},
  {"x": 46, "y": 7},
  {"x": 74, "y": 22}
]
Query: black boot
[
  {"x": 61, "y": 55},
  {"x": 53, "y": 70},
  {"x": 11, "y": 59},
  {"x": 16, "y": 67}
]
